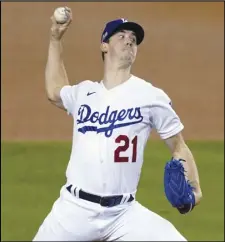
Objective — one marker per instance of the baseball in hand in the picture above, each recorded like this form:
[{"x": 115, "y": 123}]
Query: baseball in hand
[{"x": 60, "y": 15}]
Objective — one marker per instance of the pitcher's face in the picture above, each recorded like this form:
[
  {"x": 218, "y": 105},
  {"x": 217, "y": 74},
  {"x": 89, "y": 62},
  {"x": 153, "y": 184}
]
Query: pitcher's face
[{"x": 122, "y": 46}]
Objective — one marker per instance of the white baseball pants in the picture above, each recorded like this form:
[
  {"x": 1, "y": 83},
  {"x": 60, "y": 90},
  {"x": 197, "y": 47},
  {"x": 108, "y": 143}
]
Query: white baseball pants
[{"x": 74, "y": 219}]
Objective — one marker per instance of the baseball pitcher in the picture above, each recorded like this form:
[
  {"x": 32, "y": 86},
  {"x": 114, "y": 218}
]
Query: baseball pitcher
[{"x": 113, "y": 119}]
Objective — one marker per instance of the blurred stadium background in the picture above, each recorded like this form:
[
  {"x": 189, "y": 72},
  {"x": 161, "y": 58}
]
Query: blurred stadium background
[{"x": 183, "y": 53}]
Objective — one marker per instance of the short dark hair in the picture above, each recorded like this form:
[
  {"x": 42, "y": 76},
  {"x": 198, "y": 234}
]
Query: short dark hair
[{"x": 103, "y": 56}]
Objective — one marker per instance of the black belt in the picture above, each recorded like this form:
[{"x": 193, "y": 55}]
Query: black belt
[{"x": 107, "y": 201}]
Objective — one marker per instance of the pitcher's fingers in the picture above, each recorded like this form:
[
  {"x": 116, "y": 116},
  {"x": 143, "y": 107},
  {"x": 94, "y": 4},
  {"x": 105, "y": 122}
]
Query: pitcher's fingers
[
  {"x": 68, "y": 9},
  {"x": 53, "y": 20},
  {"x": 66, "y": 24},
  {"x": 69, "y": 15}
]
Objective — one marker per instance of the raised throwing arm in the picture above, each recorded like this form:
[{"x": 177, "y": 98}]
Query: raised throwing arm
[{"x": 55, "y": 73}]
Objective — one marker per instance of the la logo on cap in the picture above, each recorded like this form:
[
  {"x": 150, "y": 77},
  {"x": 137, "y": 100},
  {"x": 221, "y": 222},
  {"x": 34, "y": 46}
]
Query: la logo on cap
[
  {"x": 104, "y": 35},
  {"x": 124, "y": 20}
]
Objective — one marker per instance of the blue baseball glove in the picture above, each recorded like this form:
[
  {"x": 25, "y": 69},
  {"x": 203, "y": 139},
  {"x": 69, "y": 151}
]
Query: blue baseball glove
[{"x": 178, "y": 190}]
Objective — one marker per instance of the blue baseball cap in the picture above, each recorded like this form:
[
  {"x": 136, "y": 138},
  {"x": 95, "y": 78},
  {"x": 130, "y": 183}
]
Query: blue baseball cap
[{"x": 122, "y": 24}]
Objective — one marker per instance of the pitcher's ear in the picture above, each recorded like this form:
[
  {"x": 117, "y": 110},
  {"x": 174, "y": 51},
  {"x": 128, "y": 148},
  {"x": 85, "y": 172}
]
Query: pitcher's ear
[{"x": 104, "y": 47}]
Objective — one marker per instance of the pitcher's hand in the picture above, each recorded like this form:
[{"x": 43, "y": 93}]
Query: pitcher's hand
[{"x": 58, "y": 30}]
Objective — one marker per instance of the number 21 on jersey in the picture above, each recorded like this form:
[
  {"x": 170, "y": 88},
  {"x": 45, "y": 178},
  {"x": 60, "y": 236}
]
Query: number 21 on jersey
[{"x": 121, "y": 148}]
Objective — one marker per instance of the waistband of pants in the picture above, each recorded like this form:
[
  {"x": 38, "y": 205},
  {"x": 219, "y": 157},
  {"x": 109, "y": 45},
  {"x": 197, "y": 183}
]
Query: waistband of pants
[{"x": 104, "y": 201}]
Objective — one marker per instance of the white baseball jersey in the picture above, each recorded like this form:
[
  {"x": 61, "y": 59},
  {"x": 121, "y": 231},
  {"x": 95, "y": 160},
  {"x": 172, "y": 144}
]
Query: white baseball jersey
[{"x": 111, "y": 128}]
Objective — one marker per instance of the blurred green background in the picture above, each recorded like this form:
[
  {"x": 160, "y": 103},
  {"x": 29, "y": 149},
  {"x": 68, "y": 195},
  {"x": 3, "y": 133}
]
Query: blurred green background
[{"x": 33, "y": 173}]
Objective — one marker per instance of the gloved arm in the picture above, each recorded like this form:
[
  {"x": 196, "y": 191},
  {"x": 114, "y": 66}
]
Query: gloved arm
[
  {"x": 180, "y": 150},
  {"x": 178, "y": 189}
]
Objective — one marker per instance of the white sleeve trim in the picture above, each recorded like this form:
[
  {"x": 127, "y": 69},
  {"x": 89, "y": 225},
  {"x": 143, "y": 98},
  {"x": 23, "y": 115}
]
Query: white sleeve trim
[{"x": 173, "y": 132}]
